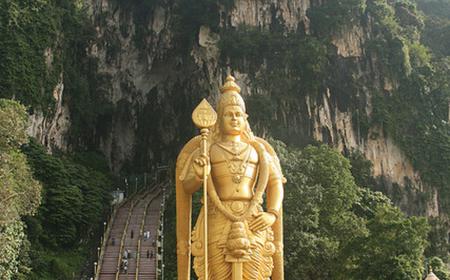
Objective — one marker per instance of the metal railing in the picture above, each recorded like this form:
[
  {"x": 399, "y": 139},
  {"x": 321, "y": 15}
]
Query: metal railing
[
  {"x": 124, "y": 236},
  {"x": 141, "y": 230},
  {"x": 130, "y": 184},
  {"x": 104, "y": 238},
  {"x": 103, "y": 241},
  {"x": 160, "y": 243}
]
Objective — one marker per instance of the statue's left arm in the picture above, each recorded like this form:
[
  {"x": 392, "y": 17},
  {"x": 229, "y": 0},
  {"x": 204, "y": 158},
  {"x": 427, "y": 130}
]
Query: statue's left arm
[
  {"x": 274, "y": 200},
  {"x": 275, "y": 194},
  {"x": 275, "y": 190}
]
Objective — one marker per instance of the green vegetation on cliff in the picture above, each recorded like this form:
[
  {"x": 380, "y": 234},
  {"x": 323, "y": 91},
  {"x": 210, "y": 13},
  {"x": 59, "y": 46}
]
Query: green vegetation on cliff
[
  {"x": 44, "y": 43},
  {"x": 30, "y": 63},
  {"x": 335, "y": 16},
  {"x": 293, "y": 64},
  {"x": 415, "y": 112},
  {"x": 437, "y": 26}
]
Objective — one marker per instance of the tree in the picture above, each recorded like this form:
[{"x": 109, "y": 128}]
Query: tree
[
  {"x": 75, "y": 196},
  {"x": 20, "y": 193},
  {"x": 394, "y": 247},
  {"x": 337, "y": 230},
  {"x": 319, "y": 221}
]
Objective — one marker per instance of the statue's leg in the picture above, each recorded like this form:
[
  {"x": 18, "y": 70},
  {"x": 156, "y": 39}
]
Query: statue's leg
[
  {"x": 260, "y": 265},
  {"x": 220, "y": 270},
  {"x": 218, "y": 227},
  {"x": 197, "y": 247}
]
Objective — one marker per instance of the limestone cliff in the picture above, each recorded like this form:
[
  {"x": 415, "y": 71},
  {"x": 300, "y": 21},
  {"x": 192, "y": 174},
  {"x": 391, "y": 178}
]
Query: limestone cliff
[{"x": 158, "y": 59}]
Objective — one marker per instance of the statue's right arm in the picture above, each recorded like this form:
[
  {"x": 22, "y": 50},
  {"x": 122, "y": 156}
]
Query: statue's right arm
[
  {"x": 190, "y": 179},
  {"x": 191, "y": 184}
]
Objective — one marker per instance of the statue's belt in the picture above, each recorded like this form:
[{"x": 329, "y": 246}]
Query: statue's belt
[{"x": 236, "y": 207}]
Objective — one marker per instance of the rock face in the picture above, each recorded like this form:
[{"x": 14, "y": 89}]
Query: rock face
[
  {"x": 152, "y": 86},
  {"x": 153, "y": 78},
  {"x": 390, "y": 164},
  {"x": 263, "y": 13},
  {"x": 52, "y": 130},
  {"x": 350, "y": 42}
]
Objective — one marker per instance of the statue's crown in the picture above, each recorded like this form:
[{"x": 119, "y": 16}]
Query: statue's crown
[
  {"x": 230, "y": 85},
  {"x": 230, "y": 95}
]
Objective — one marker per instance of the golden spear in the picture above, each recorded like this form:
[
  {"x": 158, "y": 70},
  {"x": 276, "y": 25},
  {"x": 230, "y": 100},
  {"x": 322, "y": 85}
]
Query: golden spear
[{"x": 204, "y": 117}]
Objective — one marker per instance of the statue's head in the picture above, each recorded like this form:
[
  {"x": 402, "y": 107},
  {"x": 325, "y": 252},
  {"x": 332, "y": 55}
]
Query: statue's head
[{"x": 232, "y": 118}]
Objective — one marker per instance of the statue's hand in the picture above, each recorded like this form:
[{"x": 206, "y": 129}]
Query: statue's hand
[
  {"x": 263, "y": 220},
  {"x": 199, "y": 165}
]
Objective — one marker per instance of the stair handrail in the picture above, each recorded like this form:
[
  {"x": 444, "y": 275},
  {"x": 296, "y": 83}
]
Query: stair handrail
[
  {"x": 141, "y": 230},
  {"x": 107, "y": 232},
  {"x": 159, "y": 271},
  {"x": 124, "y": 234}
]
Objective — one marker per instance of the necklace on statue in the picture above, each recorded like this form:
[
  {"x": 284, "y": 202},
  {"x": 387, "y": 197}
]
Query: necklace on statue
[
  {"x": 237, "y": 164},
  {"x": 234, "y": 149}
]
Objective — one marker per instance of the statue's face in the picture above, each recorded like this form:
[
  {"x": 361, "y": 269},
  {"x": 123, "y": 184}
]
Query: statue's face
[{"x": 233, "y": 120}]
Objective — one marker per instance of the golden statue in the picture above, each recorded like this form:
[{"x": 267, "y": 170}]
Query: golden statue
[{"x": 238, "y": 240}]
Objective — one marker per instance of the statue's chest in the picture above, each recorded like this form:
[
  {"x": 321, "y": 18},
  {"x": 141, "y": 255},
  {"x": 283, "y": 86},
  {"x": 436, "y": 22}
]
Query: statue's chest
[{"x": 237, "y": 163}]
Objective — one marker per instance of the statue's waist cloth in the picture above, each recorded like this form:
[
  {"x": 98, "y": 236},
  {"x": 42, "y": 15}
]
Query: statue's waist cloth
[{"x": 259, "y": 263}]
